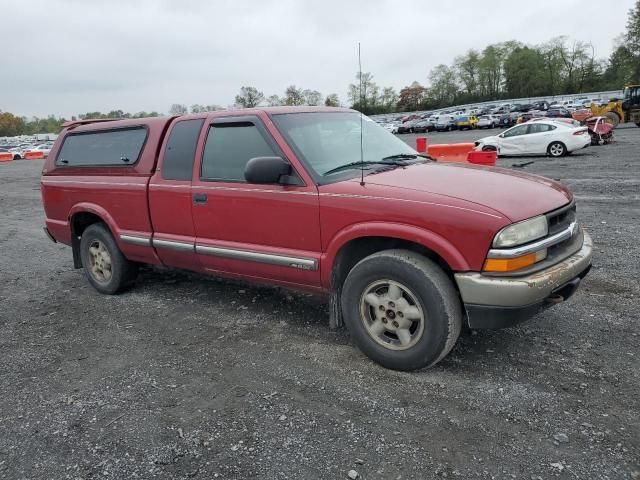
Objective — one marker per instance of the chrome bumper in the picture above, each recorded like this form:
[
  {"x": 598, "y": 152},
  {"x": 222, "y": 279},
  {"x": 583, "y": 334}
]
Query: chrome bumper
[{"x": 483, "y": 290}]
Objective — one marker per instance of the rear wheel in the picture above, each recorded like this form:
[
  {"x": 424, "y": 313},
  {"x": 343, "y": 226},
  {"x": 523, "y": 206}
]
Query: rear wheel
[
  {"x": 557, "y": 149},
  {"x": 401, "y": 309},
  {"x": 106, "y": 267}
]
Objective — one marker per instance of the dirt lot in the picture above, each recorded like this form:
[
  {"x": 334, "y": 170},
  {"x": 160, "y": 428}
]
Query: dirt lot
[{"x": 193, "y": 377}]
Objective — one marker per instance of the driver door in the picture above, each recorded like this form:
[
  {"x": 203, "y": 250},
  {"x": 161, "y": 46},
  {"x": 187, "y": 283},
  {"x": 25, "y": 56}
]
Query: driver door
[
  {"x": 258, "y": 232},
  {"x": 513, "y": 141}
]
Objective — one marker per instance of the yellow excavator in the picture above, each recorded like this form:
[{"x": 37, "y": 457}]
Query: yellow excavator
[{"x": 622, "y": 110}]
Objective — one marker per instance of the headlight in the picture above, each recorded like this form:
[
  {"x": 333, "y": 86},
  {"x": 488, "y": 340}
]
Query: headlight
[{"x": 522, "y": 232}]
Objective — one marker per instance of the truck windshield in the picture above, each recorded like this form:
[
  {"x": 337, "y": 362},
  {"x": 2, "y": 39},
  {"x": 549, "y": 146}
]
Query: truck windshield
[{"x": 325, "y": 141}]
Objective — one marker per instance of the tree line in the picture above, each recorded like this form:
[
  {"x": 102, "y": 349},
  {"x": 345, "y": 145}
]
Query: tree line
[{"x": 502, "y": 70}]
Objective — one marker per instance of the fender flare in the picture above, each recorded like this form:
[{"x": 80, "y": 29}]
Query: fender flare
[
  {"x": 85, "y": 207},
  {"x": 428, "y": 239}
]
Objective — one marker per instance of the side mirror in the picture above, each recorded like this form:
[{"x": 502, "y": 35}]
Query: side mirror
[{"x": 266, "y": 170}]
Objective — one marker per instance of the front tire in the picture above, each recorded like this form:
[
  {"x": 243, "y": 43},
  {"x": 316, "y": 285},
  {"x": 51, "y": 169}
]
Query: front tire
[
  {"x": 401, "y": 309},
  {"x": 557, "y": 149},
  {"x": 107, "y": 269}
]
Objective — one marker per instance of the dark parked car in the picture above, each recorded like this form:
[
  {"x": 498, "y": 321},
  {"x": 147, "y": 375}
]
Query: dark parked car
[
  {"x": 407, "y": 127},
  {"x": 507, "y": 120},
  {"x": 559, "y": 113},
  {"x": 519, "y": 107},
  {"x": 424, "y": 126}
]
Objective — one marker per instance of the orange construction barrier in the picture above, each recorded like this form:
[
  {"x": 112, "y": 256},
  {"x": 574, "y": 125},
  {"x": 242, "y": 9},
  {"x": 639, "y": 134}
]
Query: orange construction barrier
[
  {"x": 450, "y": 152},
  {"x": 483, "y": 158},
  {"x": 421, "y": 144},
  {"x": 35, "y": 155},
  {"x": 6, "y": 156}
]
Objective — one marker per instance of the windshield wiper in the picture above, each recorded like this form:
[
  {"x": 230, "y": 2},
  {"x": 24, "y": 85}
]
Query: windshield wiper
[
  {"x": 385, "y": 161},
  {"x": 406, "y": 155}
]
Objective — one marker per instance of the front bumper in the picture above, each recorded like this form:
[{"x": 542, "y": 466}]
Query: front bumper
[{"x": 497, "y": 302}]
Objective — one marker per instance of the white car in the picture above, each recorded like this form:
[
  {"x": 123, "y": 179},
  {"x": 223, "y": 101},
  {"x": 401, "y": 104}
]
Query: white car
[
  {"x": 45, "y": 149},
  {"x": 488, "y": 121},
  {"x": 391, "y": 127},
  {"x": 537, "y": 138},
  {"x": 18, "y": 153}
]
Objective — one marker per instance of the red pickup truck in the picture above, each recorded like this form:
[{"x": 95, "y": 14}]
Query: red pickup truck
[{"x": 323, "y": 200}]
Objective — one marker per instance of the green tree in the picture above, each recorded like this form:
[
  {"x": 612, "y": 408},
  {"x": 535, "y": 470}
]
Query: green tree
[
  {"x": 274, "y": 101},
  {"x": 249, "y": 97},
  {"x": 633, "y": 39},
  {"x": 178, "y": 109},
  {"x": 312, "y": 97},
  {"x": 332, "y": 100},
  {"x": 467, "y": 69},
  {"x": 444, "y": 86},
  {"x": 363, "y": 95},
  {"x": 389, "y": 99},
  {"x": 524, "y": 73},
  {"x": 620, "y": 68},
  {"x": 293, "y": 96},
  {"x": 10, "y": 125}
]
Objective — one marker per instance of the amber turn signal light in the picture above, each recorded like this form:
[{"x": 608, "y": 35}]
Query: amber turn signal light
[{"x": 509, "y": 264}]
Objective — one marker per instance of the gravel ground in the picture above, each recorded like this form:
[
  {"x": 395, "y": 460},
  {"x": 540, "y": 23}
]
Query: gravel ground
[{"x": 193, "y": 377}]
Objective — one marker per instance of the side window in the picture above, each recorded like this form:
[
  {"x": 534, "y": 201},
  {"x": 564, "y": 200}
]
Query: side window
[
  {"x": 540, "y": 128},
  {"x": 119, "y": 147},
  {"x": 181, "y": 150},
  {"x": 228, "y": 149},
  {"x": 516, "y": 131}
]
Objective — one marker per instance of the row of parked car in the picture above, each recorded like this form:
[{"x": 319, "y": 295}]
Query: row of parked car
[
  {"x": 490, "y": 116},
  {"x": 19, "y": 151},
  {"x": 448, "y": 122}
]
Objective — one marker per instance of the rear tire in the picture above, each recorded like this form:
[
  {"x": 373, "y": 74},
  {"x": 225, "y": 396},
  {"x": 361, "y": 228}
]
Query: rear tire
[
  {"x": 401, "y": 309},
  {"x": 557, "y": 149},
  {"x": 107, "y": 269}
]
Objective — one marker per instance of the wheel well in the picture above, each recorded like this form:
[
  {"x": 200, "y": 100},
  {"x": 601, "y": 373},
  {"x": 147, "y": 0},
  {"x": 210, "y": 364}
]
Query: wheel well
[
  {"x": 357, "y": 249},
  {"x": 79, "y": 223}
]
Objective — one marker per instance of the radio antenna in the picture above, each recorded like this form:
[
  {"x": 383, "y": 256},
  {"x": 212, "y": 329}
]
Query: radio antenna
[{"x": 361, "y": 106}]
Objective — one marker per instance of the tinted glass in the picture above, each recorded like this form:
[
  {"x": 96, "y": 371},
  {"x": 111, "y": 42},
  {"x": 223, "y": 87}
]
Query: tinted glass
[
  {"x": 540, "y": 128},
  {"x": 228, "y": 149},
  {"x": 106, "y": 147},
  {"x": 181, "y": 149},
  {"x": 514, "y": 132},
  {"x": 327, "y": 140}
]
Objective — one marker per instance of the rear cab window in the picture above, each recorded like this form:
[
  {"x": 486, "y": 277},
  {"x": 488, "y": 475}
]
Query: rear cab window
[
  {"x": 113, "y": 147},
  {"x": 181, "y": 149}
]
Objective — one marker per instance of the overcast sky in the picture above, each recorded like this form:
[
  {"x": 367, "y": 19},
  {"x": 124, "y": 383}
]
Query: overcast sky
[{"x": 66, "y": 57}]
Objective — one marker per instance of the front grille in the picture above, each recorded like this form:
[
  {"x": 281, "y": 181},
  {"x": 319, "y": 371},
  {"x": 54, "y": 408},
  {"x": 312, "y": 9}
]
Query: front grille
[{"x": 561, "y": 219}]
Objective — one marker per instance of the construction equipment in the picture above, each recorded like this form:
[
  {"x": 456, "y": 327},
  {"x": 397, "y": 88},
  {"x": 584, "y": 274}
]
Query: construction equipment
[{"x": 616, "y": 111}]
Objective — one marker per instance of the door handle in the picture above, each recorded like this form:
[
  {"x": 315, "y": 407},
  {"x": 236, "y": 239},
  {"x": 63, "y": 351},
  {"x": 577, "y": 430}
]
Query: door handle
[{"x": 200, "y": 198}]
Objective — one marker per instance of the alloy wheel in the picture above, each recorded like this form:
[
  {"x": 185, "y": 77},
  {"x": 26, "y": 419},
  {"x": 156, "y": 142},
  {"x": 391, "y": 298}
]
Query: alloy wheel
[
  {"x": 100, "y": 259},
  {"x": 392, "y": 315}
]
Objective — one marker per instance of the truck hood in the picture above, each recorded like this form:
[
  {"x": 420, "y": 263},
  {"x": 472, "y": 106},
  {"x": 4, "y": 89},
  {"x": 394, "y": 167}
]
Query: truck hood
[{"x": 516, "y": 195}]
